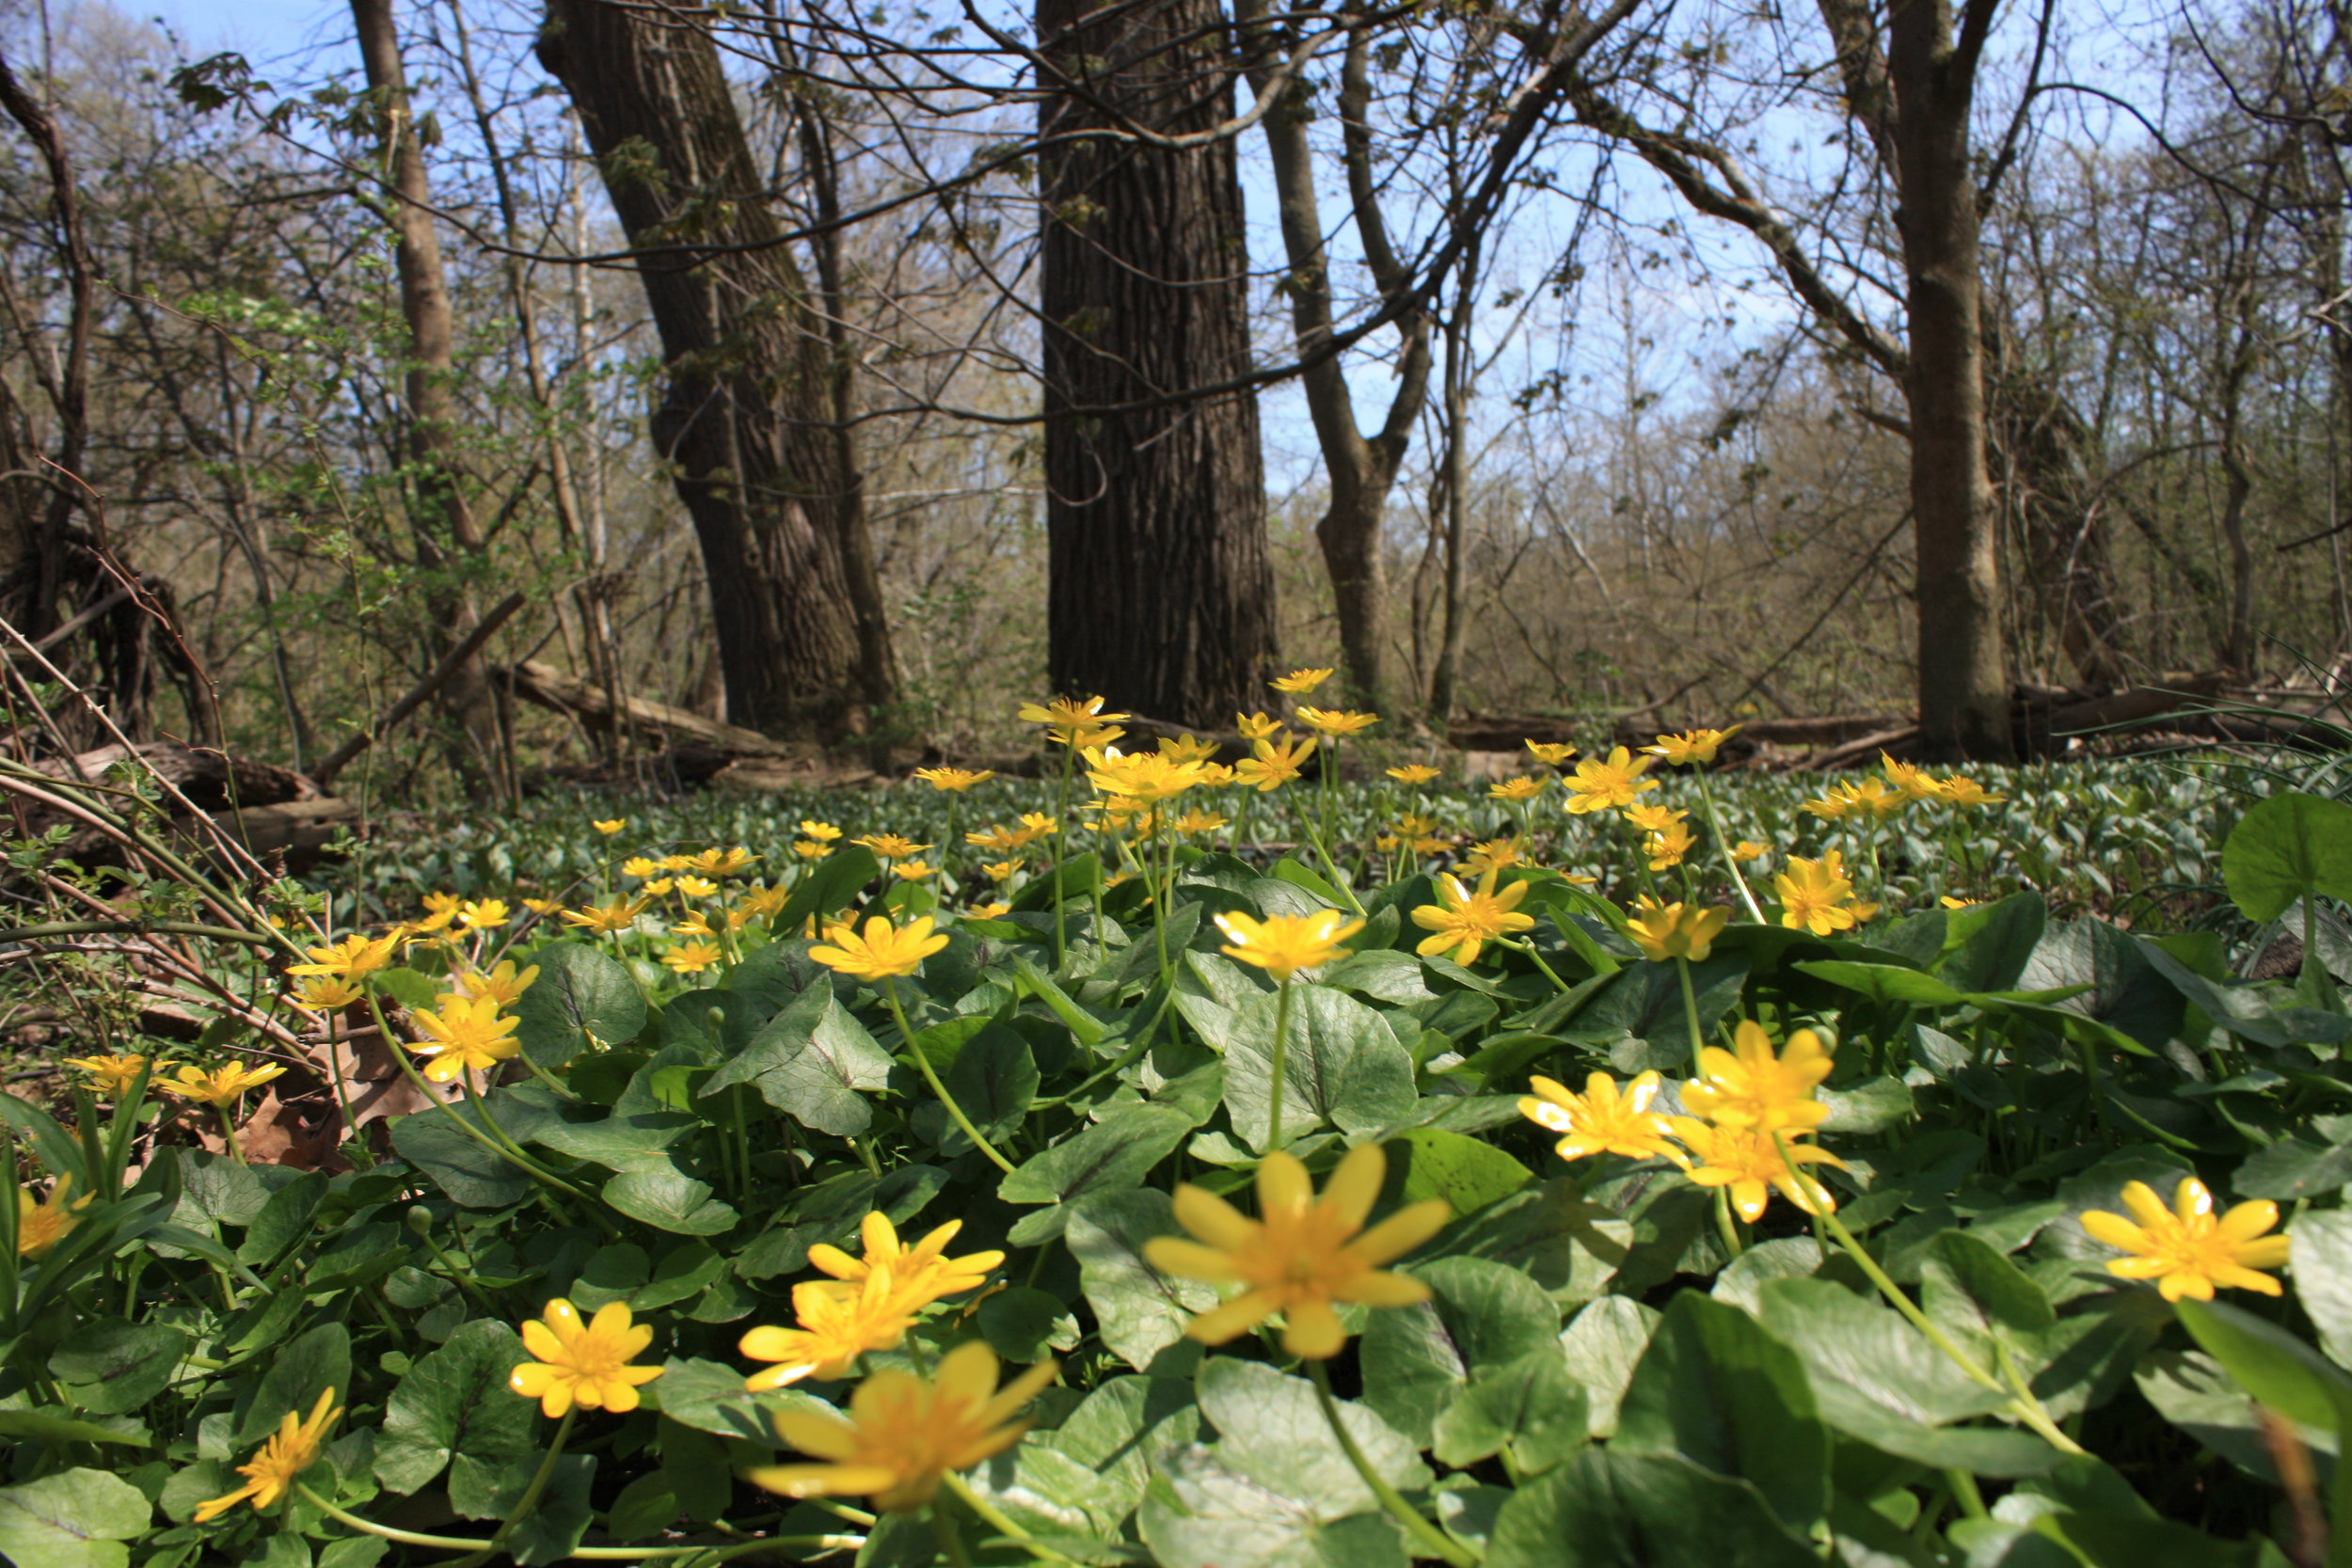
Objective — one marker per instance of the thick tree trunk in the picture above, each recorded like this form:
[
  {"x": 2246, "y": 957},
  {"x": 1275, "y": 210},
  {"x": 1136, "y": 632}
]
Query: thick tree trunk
[
  {"x": 1160, "y": 594},
  {"x": 444, "y": 524},
  {"x": 748, "y": 418},
  {"x": 1963, "y": 682}
]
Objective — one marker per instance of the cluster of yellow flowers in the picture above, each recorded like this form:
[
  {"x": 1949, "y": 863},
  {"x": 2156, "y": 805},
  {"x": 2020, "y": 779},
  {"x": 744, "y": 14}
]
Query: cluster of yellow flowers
[
  {"x": 1751, "y": 1115},
  {"x": 1904, "y": 785}
]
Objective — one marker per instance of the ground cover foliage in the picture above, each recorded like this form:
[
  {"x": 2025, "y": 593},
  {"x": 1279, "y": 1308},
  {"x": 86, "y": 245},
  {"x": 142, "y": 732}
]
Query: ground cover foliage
[{"x": 1615, "y": 1174}]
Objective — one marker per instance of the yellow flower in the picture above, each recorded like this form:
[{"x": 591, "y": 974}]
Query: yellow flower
[
  {"x": 1550, "y": 754},
  {"x": 1037, "y": 825},
  {"x": 468, "y": 1035},
  {"x": 325, "y": 994},
  {"x": 1653, "y": 818},
  {"x": 913, "y": 871},
  {"x": 1465, "y": 922},
  {"x": 1814, "y": 894},
  {"x": 1664, "y": 931},
  {"x": 1665, "y": 851},
  {"x": 219, "y": 1087},
  {"x": 1608, "y": 783},
  {"x": 1144, "y": 776},
  {"x": 349, "y": 958},
  {"x": 1413, "y": 773},
  {"x": 502, "y": 986},
  {"x": 693, "y": 957},
  {"x": 606, "y": 919},
  {"x": 1302, "y": 1254},
  {"x": 993, "y": 909},
  {"x": 956, "y": 779},
  {"x": 1951, "y": 903},
  {"x": 1299, "y": 682},
  {"x": 891, "y": 846},
  {"x": 1256, "y": 726},
  {"x": 904, "y": 1433},
  {"x": 1520, "y": 789},
  {"x": 1602, "y": 1119},
  {"x": 41, "y": 1225},
  {"x": 1272, "y": 764},
  {"x": 723, "y": 863},
  {"x": 995, "y": 836},
  {"x": 696, "y": 924},
  {"x": 542, "y": 906},
  {"x": 1748, "y": 849},
  {"x": 1496, "y": 854},
  {"x": 610, "y": 827},
  {"x": 824, "y": 831},
  {"x": 836, "y": 1325},
  {"x": 882, "y": 951},
  {"x": 2186, "y": 1249},
  {"x": 697, "y": 887},
  {"x": 1189, "y": 747},
  {"x": 1913, "y": 783},
  {"x": 811, "y": 850},
  {"x": 1001, "y": 871},
  {"x": 1868, "y": 796},
  {"x": 1829, "y": 807},
  {"x": 1691, "y": 747},
  {"x": 110, "y": 1074},
  {"x": 1750, "y": 1161},
  {"x": 583, "y": 1364},
  {"x": 921, "y": 1274},
  {"x": 483, "y": 914},
  {"x": 1962, "y": 791},
  {"x": 678, "y": 862},
  {"x": 1282, "y": 944},
  {"x": 1073, "y": 723},
  {"x": 1200, "y": 822},
  {"x": 292, "y": 1448},
  {"x": 762, "y": 903},
  {"x": 1749, "y": 1087},
  {"x": 1336, "y": 722}
]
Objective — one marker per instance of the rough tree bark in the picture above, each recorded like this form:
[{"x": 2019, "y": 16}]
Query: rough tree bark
[
  {"x": 1910, "y": 89},
  {"x": 1964, "y": 678},
  {"x": 443, "y": 522},
  {"x": 1360, "y": 469},
  {"x": 748, "y": 418},
  {"x": 1161, "y": 595}
]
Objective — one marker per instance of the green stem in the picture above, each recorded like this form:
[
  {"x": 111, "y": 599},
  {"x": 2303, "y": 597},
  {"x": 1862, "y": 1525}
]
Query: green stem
[
  {"x": 512, "y": 1156},
  {"x": 1690, "y": 1013},
  {"x": 1432, "y": 1540},
  {"x": 532, "y": 1493},
  {"x": 1517, "y": 946},
  {"x": 133, "y": 927},
  {"x": 1723, "y": 848},
  {"x": 1282, "y": 1061},
  {"x": 994, "y": 1517},
  {"x": 2023, "y": 1405},
  {"x": 229, "y": 1130},
  {"x": 590, "y": 1554},
  {"x": 923, "y": 1064},
  {"x": 1726, "y": 1225}
]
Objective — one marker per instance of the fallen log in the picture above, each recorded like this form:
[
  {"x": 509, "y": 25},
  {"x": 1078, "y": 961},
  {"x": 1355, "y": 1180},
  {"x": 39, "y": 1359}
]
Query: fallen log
[
  {"x": 550, "y": 687},
  {"x": 212, "y": 781}
]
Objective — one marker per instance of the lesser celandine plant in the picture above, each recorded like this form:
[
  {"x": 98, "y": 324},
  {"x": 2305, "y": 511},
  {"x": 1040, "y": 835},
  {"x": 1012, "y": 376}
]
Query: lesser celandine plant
[{"x": 1632, "y": 1163}]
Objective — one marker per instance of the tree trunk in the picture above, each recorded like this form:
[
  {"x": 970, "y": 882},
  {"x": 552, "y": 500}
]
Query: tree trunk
[
  {"x": 748, "y": 418},
  {"x": 1160, "y": 594},
  {"x": 443, "y": 522},
  {"x": 1361, "y": 470},
  {"x": 1964, "y": 683}
]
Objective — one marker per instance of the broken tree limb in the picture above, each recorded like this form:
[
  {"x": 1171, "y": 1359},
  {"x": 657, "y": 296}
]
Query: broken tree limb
[
  {"x": 550, "y": 688},
  {"x": 336, "y": 760}
]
